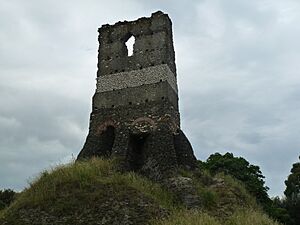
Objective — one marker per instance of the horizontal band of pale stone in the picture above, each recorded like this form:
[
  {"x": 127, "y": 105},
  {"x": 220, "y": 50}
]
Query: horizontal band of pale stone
[{"x": 135, "y": 78}]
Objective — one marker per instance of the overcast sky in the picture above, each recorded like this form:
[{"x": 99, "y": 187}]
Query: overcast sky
[{"x": 238, "y": 66}]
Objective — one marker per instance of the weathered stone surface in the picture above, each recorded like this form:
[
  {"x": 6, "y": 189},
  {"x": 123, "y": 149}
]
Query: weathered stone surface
[
  {"x": 184, "y": 151},
  {"x": 135, "y": 113},
  {"x": 185, "y": 190},
  {"x": 153, "y": 45},
  {"x": 156, "y": 92}
]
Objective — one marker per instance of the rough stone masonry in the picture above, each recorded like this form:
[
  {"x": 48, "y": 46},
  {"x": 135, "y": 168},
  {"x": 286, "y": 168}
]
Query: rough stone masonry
[{"x": 135, "y": 113}]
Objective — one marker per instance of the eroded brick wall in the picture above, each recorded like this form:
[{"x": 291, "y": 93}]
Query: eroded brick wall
[{"x": 135, "y": 108}]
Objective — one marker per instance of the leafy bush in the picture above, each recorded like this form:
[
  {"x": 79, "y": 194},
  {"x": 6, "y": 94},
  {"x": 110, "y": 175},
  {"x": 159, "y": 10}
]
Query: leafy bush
[
  {"x": 6, "y": 197},
  {"x": 250, "y": 176},
  {"x": 240, "y": 169}
]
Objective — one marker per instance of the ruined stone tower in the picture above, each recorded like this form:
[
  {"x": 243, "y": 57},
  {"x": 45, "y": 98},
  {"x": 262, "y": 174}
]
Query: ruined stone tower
[{"x": 135, "y": 113}]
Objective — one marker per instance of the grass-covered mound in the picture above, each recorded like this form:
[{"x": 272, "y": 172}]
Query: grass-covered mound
[
  {"x": 88, "y": 193},
  {"x": 94, "y": 192}
]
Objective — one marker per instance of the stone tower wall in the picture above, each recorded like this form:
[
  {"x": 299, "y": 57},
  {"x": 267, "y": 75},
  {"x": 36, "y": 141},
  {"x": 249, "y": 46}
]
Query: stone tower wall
[
  {"x": 153, "y": 45},
  {"x": 146, "y": 76},
  {"x": 135, "y": 113}
]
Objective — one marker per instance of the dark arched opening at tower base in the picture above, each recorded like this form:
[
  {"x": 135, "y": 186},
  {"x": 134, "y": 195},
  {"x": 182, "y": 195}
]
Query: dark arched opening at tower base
[
  {"x": 136, "y": 151},
  {"x": 106, "y": 141}
]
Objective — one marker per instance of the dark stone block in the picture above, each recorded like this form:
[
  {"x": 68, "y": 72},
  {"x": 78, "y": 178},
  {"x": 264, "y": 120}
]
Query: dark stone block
[{"x": 184, "y": 151}]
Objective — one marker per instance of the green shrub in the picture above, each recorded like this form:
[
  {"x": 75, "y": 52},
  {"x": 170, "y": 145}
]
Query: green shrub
[
  {"x": 239, "y": 189},
  {"x": 6, "y": 197},
  {"x": 209, "y": 197}
]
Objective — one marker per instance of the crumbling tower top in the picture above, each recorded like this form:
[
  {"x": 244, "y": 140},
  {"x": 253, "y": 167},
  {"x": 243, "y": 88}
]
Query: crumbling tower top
[
  {"x": 149, "y": 74},
  {"x": 153, "y": 45}
]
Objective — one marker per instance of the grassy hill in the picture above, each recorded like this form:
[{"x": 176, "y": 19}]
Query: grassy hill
[{"x": 95, "y": 192}]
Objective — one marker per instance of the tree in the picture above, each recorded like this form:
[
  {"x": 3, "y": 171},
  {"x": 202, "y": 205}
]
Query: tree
[
  {"x": 292, "y": 193},
  {"x": 6, "y": 197},
  {"x": 242, "y": 170},
  {"x": 251, "y": 177},
  {"x": 279, "y": 211}
]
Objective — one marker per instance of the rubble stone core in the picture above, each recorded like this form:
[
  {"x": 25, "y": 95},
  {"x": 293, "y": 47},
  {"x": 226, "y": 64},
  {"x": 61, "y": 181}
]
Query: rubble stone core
[{"x": 135, "y": 113}]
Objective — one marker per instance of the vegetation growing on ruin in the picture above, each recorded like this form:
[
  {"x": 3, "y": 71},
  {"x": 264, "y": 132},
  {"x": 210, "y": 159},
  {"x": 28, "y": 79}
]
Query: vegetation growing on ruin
[
  {"x": 196, "y": 217},
  {"x": 94, "y": 192}
]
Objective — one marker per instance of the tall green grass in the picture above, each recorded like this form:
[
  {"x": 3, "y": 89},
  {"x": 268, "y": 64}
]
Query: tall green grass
[
  {"x": 84, "y": 175},
  {"x": 250, "y": 217},
  {"x": 79, "y": 180},
  {"x": 77, "y": 175},
  {"x": 186, "y": 217},
  {"x": 197, "y": 217},
  {"x": 151, "y": 189}
]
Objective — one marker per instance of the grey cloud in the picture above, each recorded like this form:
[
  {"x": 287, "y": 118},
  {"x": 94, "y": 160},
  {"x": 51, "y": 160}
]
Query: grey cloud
[
  {"x": 237, "y": 68},
  {"x": 239, "y": 92}
]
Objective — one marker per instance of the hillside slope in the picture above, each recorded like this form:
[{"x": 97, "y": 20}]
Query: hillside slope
[{"x": 94, "y": 192}]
